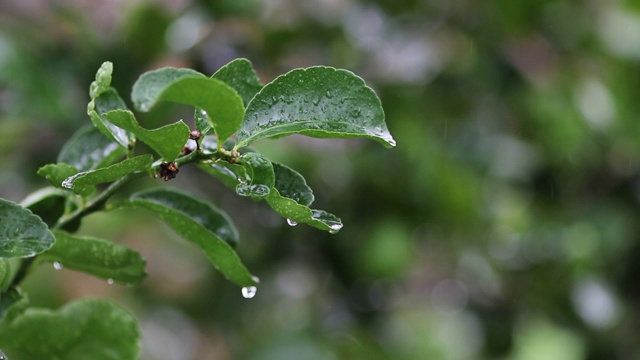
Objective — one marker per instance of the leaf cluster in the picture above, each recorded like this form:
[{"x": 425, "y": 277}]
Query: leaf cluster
[{"x": 232, "y": 110}]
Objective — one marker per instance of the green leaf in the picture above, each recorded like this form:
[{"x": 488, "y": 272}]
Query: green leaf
[
  {"x": 261, "y": 177},
  {"x": 102, "y": 258},
  {"x": 229, "y": 174},
  {"x": 292, "y": 185},
  {"x": 189, "y": 87},
  {"x": 103, "y": 80},
  {"x": 240, "y": 75},
  {"x": 201, "y": 120},
  {"x": 298, "y": 213},
  {"x": 12, "y": 303},
  {"x": 85, "y": 329},
  {"x": 180, "y": 217},
  {"x": 57, "y": 173},
  {"x": 105, "y": 98},
  {"x": 204, "y": 213},
  {"x": 89, "y": 149},
  {"x": 320, "y": 102},
  {"x": 22, "y": 233},
  {"x": 111, "y": 173},
  {"x": 5, "y": 275},
  {"x": 167, "y": 141}
]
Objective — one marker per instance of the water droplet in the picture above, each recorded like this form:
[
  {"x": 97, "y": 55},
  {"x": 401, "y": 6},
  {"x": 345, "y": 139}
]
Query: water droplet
[
  {"x": 110, "y": 281},
  {"x": 329, "y": 95},
  {"x": 57, "y": 265},
  {"x": 291, "y": 222},
  {"x": 256, "y": 279},
  {"x": 68, "y": 183},
  {"x": 249, "y": 292}
]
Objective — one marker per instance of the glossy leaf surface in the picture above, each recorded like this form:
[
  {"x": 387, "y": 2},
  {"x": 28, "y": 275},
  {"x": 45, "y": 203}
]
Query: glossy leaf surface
[
  {"x": 229, "y": 174},
  {"x": 89, "y": 149},
  {"x": 292, "y": 185},
  {"x": 207, "y": 215},
  {"x": 320, "y": 102},
  {"x": 260, "y": 176},
  {"x": 82, "y": 330},
  {"x": 22, "y": 233},
  {"x": 167, "y": 141},
  {"x": 178, "y": 215},
  {"x": 111, "y": 173},
  {"x": 105, "y": 98},
  {"x": 57, "y": 173},
  {"x": 98, "y": 257},
  {"x": 240, "y": 75},
  {"x": 298, "y": 213},
  {"x": 223, "y": 105}
]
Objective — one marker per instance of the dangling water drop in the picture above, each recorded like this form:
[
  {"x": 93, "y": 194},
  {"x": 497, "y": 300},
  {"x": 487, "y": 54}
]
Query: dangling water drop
[
  {"x": 291, "y": 222},
  {"x": 110, "y": 281},
  {"x": 57, "y": 265},
  {"x": 249, "y": 292}
]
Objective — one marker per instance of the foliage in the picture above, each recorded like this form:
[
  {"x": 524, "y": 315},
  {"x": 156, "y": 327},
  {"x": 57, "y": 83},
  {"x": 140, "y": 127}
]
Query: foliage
[{"x": 318, "y": 102}]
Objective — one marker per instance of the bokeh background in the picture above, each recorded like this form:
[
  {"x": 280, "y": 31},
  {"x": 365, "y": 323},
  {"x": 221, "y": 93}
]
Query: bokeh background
[{"x": 504, "y": 225}]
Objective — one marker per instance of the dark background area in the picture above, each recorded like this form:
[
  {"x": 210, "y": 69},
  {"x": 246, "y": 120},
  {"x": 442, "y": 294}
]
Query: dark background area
[{"x": 502, "y": 226}]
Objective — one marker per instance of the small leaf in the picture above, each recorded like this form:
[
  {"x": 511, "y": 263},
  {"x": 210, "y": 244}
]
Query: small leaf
[
  {"x": 105, "y": 98},
  {"x": 85, "y": 329},
  {"x": 320, "y": 102},
  {"x": 171, "y": 210},
  {"x": 103, "y": 80},
  {"x": 98, "y": 257},
  {"x": 240, "y": 75},
  {"x": 222, "y": 104},
  {"x": 89, "y": 149},
  {"x": 209, "y": 216},
  {"x": 292, "y": 185},
  {"x": 260, "y": 173},
  {"x": 111, "y": 173},
  {"x": 167, "y": 141},
  {"x": 57, "y": 173},
  {"x": 229, "y": 174},
  {"x": 290, "y": 209},
  {"x": 22, "y": 234}
]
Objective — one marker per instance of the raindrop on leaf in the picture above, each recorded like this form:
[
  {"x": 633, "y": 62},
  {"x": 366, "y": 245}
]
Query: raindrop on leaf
[
  {"x": 291, "y": 222},
  {"x": 110, "y": 281},
  {"x": 57, "y": 265}
]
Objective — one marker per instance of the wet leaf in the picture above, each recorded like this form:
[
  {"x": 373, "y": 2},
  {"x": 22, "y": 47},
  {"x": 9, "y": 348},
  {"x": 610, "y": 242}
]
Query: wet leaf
[
  {"x": 223, "y": 105},
  {"x": 89, "y": 149},
  {"x": 57, "y": 173},
  {"x": 320, "y": 102},
  {"x": 167, "y": 141},
  {"x": 111, "y": 173},
  {"x": 298, "y": 213},
  {"x": 102, "y": 258},
  {"x": 240, "y": 75},
  {"x": 179, "y": 211},
  {"x": 260, "y": 175},
  {"x": 85, "y": 329},
  {"x": 104, "y": 98},
  {"x": 292, "y": 185},
  {"x": 22, "y": 234},
  {"x": 229, "y": 174}
]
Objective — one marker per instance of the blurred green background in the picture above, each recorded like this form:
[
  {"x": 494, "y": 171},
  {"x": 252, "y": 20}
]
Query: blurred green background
[{"x": 502, "y": 226}]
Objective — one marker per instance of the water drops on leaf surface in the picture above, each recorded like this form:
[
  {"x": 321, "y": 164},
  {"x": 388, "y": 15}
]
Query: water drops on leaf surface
[
  {"x": 57, "y": 265},
  {"x": 291, "y": 222}
]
